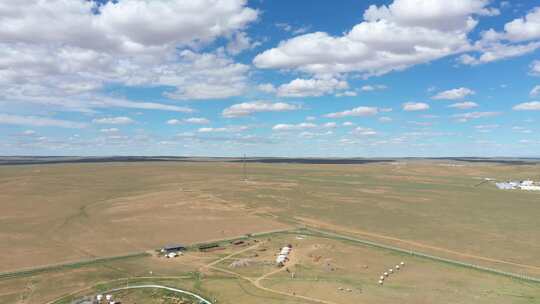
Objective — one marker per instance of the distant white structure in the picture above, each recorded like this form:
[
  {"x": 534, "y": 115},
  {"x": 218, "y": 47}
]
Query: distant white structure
[
  {"x": 527, "y": 185},
  {"x": 505, "y": 186},
  {"x": 530, "y": 188},
  {"x": 283, "y": 255},
  {"x": 171, "y": 255}
]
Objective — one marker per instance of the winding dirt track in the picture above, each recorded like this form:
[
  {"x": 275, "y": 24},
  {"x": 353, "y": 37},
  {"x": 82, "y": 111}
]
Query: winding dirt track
[
  {"x": 257, "y": 282},
  {"x": 323, "y": 225}
]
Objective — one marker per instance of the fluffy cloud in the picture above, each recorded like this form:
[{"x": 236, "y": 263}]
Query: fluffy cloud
[
  {"x": 394, "y": 37},
  {"x": 292, "y": 127},
  {"x": 415, "y": 106},
  {"x": 61, "y": 53},
  {"x": 227, "y": 129},
  {"x": 289, "y": 28},
  {"x": 519, "y": 37},
  {"x": 123, "y": 26},
  {"x": 486, "y": 128},
  {"x": 247, "y": 108},
  {"x": 109, "y": 130},
  {"x": 197, "y": 120},
  {"x": 535, "y": 91},
  {"x": 464, "y": 105},
  {"x": 202, "y": 76},
  {"x": 498, "y": 51},
  {"x": 361, "y": 131},
  {"x": 174, "y": 122},
  {"x": 120, "y": 120},
  {"x": 311, "y": 87},
  {"x": 266, "y": 88},
  {"x": 528, "y": 106},
  {"x": 474, "y": 115},
  {"x": 29, "y": 133},
  {"x": 535, "y": 67},
  {"x": 358, "y": 111},
  {"x": 347, "y": 94},
  {"x": 521, "y": 29},
  {"x": 369, "y": 88},
  {"x": 330, "y": 125},
  {"x": 454, "y": 94},
  {"x": 239, "y": 43},
  {"x": 309, "y": 135},
  {"x": 39, "y": 121}
]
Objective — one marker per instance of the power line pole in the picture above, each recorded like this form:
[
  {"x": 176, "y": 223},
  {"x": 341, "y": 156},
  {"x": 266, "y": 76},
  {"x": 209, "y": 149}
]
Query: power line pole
[{"x": 244, "y": 169}]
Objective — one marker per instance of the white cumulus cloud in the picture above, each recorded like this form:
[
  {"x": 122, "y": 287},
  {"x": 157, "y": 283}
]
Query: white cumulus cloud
[
  {"x": 415, "y": 106},
  {"x": 226, "y": 129},
  {"x": 474, "y": 115},
  {"x": 57, "y": 51},
  {"x": 519, "y": 37},
  {"x": 528, "y": 106},
  {"x": 311, "y": 87},
  {"x": 266, "y": 88},
  {"x": 248, "y": 108},
  {"x": 393, "y": 37},
  {"x": 535, "y": 67},
  {"x": 109, "y": 130},
  {"x": 197, "y": 120},
  {"x": 361, "y": 131},
  {"x": 37, "y": 121},
  {"x": 293, "y": 127},
  {"x": 120, "y": 120},
  {"x": 358, "y": 111},
  {"x": 535, "y": 91},
  {"x": 454, "y": 94},
  {"x": 464, "y": 105}
]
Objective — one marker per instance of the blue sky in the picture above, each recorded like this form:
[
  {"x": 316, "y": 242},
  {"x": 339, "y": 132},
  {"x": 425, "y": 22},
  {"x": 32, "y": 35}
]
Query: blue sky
[{"x": 270, "y": 78}]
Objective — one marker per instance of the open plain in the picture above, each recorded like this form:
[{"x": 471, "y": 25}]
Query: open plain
[{"x": 58, "y": 213}]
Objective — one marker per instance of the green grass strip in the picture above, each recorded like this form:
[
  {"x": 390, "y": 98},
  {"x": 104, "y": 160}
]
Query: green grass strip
[{"x": 71, "y": 265}]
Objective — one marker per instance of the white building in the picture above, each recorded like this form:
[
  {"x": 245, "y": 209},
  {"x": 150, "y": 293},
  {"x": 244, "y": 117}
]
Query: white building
[
  {"x": 530, "y": 188},
  {"x": 527, "y": 183},
  {"x": 283, "y": 255},
  {"x": 505, "y": 186}
]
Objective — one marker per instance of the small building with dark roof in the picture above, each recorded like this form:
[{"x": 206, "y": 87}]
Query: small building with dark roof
[{"x": 173, "y": 248}]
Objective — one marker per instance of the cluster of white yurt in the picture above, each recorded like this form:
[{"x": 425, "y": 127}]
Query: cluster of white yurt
[
  {"x": 108, "y": 299},
  {"x": 283, "y": 255},
  {"x": 389, "y": 272}
]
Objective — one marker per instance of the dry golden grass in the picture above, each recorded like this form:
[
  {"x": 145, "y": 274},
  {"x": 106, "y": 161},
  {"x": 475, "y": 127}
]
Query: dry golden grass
[{"x": 56, "y": 213}]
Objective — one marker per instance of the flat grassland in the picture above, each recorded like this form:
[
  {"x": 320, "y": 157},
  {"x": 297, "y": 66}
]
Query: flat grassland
[
  {"x": 59, "y": 213},
  {"x": 64, "y": 212},
  {"x": 326, "y": 271}
]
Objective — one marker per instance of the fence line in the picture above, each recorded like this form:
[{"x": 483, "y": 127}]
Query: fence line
[
  {"x": 53, "y": 267},
  {"x": 303, "y": 230},
  {"x": 315, "y": 231},
  {"x": 75, "y": 264}
]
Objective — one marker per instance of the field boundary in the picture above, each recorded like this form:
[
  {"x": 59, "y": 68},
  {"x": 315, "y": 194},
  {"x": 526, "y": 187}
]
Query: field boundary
[
  {"x": 81, "y": 263},
  {"x": 198, "y": 297},
  {"x": 333, "y": 235},
  {"x": 69, "y": 265},
  {"x": 300, "y": 230}
]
